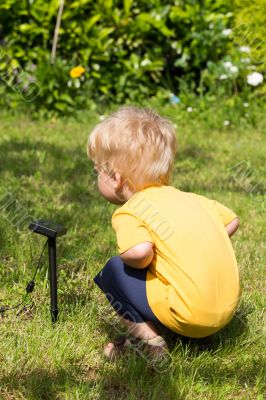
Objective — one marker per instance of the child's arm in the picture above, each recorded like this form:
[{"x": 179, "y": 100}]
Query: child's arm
[
  {"x": 228, "y": 217},
  {"x": 139, "y": 256},
  {"x": 232, "y": 227}
]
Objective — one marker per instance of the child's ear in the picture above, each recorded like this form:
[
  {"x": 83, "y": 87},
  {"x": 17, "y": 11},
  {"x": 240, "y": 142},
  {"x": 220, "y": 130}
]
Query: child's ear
[{"x": 117, "y": 180}]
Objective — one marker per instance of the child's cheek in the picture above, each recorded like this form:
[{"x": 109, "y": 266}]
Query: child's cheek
[{"x": 104, "y": 186}]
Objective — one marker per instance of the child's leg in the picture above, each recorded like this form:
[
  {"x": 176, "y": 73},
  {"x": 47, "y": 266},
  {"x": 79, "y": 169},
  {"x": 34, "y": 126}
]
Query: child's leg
[
  {"x": 125, "y": 288},
  {"x": 141, "y": 330}
]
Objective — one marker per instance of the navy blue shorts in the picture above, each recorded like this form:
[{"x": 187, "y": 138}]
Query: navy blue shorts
[{"x": 125, "y": 289}]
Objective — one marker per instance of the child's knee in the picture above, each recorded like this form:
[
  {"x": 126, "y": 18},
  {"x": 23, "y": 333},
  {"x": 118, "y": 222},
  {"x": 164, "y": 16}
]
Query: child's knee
[
  {"x": 113, "y": 268},
  {"x": 113, "y": 262}
]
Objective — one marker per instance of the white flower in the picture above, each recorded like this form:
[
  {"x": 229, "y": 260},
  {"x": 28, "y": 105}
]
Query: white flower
[
  {"x": 189, "y": 109},
  {"x": 144, "y": 62},
  {"x": 244, "y": 49},
  {"x": 211, "y": 25},
  {"x": 69, "y": 83},
  {"x": 101, "y": 117},
  {"x": 228, "y": 64},
  {"x": 226, "y": 32},
  {"x": 226, "y": 122},
  {"x": 254, "y": 79},
  {"x": 233, "y": 69},
  {"x": 223, "y": 77},
  {"x": 245, "y": 60},
  {"x": 245, "y": 105},
  {"x": 77, "y": 83}
]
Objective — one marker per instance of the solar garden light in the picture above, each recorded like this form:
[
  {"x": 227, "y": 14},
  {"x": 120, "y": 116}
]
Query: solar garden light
[{"x": 51, "y": 230}]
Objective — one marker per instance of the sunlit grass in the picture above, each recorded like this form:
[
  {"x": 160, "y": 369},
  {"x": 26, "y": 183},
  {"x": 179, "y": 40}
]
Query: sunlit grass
[{"x": 45, "y": 171}]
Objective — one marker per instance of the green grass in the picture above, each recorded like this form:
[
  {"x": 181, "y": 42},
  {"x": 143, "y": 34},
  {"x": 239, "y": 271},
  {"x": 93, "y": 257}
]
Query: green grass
[{"x": 45, "y": 171}]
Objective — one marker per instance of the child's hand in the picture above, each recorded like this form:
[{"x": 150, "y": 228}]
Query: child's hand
[
  {"x": 232, "y": 227},
  {"x": 139, "y": 256}
]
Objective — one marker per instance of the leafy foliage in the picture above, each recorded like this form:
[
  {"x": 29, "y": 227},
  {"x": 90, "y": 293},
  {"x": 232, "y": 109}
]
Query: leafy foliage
[
  {"x": 131, "y": 50},
  {"x": 250, "y": 29}
]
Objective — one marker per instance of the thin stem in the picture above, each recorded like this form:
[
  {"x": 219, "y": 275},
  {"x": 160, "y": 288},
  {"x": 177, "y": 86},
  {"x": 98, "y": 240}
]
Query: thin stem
[{"x": 56, "y": 32}]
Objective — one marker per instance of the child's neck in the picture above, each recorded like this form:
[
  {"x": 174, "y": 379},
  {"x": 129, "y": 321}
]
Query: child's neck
[{"x": 124, "y": 194}]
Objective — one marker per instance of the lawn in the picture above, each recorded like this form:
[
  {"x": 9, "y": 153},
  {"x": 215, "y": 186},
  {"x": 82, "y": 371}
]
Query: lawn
[{"x": 45, "y": 174}]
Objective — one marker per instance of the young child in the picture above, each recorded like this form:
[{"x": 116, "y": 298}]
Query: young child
[{"x": 176, "y": 265}]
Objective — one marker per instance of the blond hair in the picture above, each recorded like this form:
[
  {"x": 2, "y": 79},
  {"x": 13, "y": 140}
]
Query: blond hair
[{"x": 136, "y": 142}]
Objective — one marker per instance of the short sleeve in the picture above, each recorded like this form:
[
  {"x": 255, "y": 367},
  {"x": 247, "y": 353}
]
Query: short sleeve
[
  {"x": 225, "y": 213},
  {"x": 129, "y": 230}
]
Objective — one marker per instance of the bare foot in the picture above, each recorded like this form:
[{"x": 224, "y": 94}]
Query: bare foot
[
  {"x": 113, "y": 349},
  {"x": 156, "y": 347},
  {"x": 109, "y": 349}
]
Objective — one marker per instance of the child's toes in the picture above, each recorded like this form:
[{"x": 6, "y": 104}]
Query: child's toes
[
  {"x": 115, "y": 349},
  {"x": 109, "y": 350}
]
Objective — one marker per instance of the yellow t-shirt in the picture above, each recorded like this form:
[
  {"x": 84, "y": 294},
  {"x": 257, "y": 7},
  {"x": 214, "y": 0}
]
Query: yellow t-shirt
[{"x": 193, "y": 281}]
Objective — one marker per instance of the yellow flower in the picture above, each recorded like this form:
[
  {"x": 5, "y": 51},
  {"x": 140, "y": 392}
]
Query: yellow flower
[{"x": 76, "y": 72}]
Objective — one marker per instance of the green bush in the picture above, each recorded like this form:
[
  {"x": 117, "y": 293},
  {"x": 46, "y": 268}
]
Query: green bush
[
  {"x": 131, "y": 50},
  {"x": 250, "y": 29},
  {"x": 250, "y": 33}
]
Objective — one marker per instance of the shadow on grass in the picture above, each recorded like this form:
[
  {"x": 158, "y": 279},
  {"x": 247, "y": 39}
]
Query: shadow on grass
[
  {"x": 57, "y": 163},
  {"x": 42, "y": 384},
  {"x": 121, "y": 380},
  {"x": 62, "y": 188},
  {"x": 228, "y": 336},
  {"x": 134, "y": 377},
  {"x": 194, "y": 152},
  {"x": 71, "y": 301},
  {"x": 186, "y": 362},
  {"x": 2, "y": 236}
]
